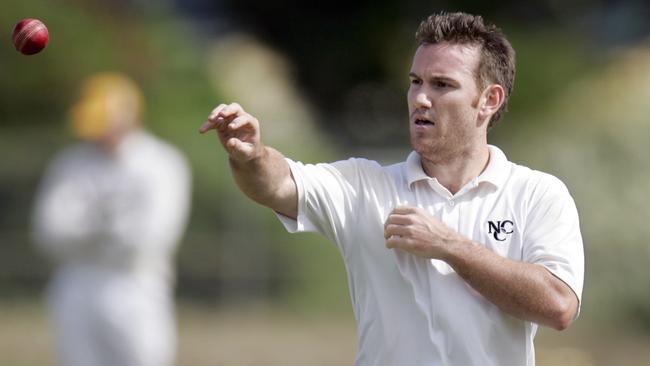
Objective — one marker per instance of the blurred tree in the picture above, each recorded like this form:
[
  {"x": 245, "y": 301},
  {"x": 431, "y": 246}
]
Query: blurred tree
[
  {"x": 352, "y": 58},
  {"x": 594, "y": 134}
]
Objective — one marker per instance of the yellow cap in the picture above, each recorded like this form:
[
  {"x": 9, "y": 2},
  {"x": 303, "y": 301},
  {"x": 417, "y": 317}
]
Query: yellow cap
[{"x": 109, "y": 102}]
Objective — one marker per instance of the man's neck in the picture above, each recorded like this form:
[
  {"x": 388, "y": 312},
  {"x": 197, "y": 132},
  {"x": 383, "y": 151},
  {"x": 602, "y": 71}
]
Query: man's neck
[{"x": 454, "y": 174}]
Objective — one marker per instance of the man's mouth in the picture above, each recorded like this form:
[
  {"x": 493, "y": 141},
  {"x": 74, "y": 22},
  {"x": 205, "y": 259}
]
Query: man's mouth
[{"x": 424, "y": 122}]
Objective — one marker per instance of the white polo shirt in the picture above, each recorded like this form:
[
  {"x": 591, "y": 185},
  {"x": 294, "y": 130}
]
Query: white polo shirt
[{"x": 413, "y": 311}]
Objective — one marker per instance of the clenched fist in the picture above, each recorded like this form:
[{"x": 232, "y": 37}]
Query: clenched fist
[{"x": 414, "y": 230}]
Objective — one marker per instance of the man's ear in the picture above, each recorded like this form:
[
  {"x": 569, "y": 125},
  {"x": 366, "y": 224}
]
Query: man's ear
[{"x": 491, "y": 100}]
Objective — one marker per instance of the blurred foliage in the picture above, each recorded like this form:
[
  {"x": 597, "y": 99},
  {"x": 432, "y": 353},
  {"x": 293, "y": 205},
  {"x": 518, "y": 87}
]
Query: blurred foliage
[
  {"x": 233, "y": 248},
  {"x": 594, "y": 135},
  {"x": 320, "y": 78}
]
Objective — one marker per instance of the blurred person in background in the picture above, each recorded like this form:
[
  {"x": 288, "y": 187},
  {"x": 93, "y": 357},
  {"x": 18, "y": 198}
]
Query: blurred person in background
[
  {"x": 110, "y": 213},
  {"x": 455, "y": 255}
]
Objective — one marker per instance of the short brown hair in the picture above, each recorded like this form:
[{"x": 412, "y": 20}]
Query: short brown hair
[{"x": 497, "y": 63}]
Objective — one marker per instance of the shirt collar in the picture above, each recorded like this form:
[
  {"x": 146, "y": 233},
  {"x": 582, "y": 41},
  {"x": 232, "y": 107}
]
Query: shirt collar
[
  {"x": 498, "y": 168},
  {"x": 495, "y": 173}
]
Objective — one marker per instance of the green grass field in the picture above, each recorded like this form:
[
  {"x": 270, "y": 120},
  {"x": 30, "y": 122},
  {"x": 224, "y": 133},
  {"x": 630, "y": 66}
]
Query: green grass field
[{"x": 262, "y": 335}]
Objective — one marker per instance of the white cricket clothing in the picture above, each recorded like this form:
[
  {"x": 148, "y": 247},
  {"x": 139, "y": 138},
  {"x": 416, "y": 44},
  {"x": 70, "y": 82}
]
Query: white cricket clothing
[
  {"x": 419, "y": 312},
  {"x": 111, "y": 223}
]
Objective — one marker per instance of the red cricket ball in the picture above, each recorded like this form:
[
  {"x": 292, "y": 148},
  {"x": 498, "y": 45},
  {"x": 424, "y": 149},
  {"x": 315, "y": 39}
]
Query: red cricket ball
[{"x": 30, "y": 36}]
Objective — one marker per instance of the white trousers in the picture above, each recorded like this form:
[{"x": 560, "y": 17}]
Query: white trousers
[{"x": 111, "y": 320}]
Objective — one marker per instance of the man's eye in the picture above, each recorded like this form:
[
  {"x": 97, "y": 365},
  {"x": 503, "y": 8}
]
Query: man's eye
[
  {"x": 441, "y": 84},
  {"x": 416, "y": 81}
]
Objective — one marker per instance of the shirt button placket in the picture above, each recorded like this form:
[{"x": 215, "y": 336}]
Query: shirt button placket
[{"x": 452, "y": 214}]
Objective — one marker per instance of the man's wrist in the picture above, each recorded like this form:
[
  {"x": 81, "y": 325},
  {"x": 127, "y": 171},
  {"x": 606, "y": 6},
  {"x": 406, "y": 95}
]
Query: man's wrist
[
  {"x": 251, "y": 162},
  {"x": 458, "y": 249}
]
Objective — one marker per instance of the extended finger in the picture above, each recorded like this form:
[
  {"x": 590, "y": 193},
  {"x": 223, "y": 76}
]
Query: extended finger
[
  {"x": 215, "y": 112},
  {"x": 210, "y": 125},
  {"x": 214, "y": 120}
]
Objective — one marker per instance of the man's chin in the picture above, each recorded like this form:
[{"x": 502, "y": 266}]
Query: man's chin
[
  {"x": 423, "y": 148},
  {"x": 434, "y": 152}
]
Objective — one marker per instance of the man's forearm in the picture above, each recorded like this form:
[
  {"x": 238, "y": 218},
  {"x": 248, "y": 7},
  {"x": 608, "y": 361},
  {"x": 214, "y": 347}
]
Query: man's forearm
[
  {"x": 524, "y": 290},
  {"x": 261, "y": 172},
  {"x": 267, "y": 180}
]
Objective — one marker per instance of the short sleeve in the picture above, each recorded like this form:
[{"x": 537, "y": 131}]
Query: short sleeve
[
  {"x": 552, "y": 237},
  {"x": 326, "y": 197}
]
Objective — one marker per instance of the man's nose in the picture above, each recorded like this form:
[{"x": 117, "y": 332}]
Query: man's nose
[{"x": 422, "y": 101}]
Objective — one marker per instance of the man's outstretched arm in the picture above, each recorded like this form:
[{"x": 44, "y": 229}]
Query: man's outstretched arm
[{"x": 261, "y": 172}]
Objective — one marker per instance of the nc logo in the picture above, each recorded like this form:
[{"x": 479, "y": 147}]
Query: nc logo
[{"x": 500, "y": 229}]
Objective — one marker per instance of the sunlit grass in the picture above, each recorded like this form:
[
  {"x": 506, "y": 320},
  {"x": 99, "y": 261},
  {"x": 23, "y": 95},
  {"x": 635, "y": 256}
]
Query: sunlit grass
[{"x": 267, "y": 335}]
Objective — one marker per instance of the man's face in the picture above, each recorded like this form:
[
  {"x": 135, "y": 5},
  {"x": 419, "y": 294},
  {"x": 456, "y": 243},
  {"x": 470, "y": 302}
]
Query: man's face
[{"x": 443, "y": 102}]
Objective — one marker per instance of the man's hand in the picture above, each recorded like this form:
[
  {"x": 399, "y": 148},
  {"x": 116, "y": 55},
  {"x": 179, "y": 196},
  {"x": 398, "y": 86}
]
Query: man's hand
[
  {"x": 414, "y": 230},
  {"x": 261, "y": 172},
  {"x": 238, "y": 131}
]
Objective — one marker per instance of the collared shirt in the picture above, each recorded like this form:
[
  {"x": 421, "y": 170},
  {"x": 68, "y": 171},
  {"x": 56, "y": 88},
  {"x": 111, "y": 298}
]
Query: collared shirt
[
  {"x": 416, "y": 311},
  {"x": 122, "y": 212},
  {"x": 112, "y": 223}
]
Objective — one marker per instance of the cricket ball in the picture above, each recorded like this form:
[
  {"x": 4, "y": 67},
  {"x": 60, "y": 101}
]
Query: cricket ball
[{"x": 30, "y": 36}]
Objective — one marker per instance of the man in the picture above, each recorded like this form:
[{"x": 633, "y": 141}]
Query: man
[
  {"x": 455, "y": 255},
  {"x": 110, "y": 213}
]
